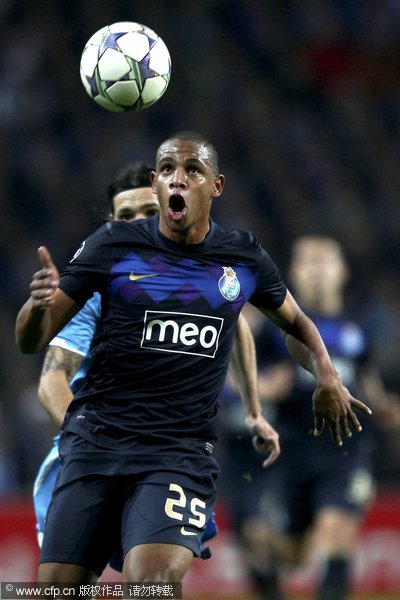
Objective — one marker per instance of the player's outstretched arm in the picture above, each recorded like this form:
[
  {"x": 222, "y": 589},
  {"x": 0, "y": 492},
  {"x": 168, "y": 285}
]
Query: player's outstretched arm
[
  {"x": 332, "y": 401},
  {"x": 59, "y": 367},
  {"x": 243, "y": 367},
  {"x": 46, "y": 311}
]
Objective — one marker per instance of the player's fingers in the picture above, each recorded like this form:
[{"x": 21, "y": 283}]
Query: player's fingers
[
  {"x": 41, "y": 279},
  {"x": 268, "y": 446},
  {"x": 260, "y": 444},
  {"x": 335, "y": 433},
  {"x": 49, "y": 269},
  {"x": 42, "y": 297},
  {"x": 270, "y": 460},
  {"x": 42, "y": 288},
  {"x": 361, "y": 406},
  {"x": 41, "y": 292},
  {"x": 45, "y": 258},
  {"x": 344, "y": 426},
  {"x": 38, "y": 279},
  {"x": 319, "y": 423},
  {"x": 42, "y": 302},
  {"x": 354, "y": 421},
  {"x": 264, "y": 444}
]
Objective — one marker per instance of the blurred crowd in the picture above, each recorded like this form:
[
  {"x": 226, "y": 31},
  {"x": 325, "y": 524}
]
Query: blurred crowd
[{"x": 300, "y": 97}]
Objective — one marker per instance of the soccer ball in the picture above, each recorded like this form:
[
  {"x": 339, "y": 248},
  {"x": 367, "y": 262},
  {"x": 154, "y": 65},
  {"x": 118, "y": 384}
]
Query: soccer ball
[{"x": 125, "y": 66}]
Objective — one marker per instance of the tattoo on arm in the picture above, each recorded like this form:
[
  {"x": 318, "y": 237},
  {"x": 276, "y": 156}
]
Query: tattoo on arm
[{"x": 59, "y": 359}]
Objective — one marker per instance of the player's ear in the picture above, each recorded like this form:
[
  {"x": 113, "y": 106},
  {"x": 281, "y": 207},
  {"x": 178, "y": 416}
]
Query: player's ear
[
  {"x": 218, "y": 185},
  {"x": 110, "y": 217}
]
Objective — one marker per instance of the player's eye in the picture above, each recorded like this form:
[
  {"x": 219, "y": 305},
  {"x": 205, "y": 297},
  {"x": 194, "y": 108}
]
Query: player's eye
[{"x": 152, "y": 212}]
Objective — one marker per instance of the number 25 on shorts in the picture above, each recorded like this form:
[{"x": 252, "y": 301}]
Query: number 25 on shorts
[{"x": 176, "y": 507}]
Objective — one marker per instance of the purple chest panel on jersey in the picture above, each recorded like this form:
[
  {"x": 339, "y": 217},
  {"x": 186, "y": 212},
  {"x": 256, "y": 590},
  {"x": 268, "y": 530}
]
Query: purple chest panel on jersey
[{"x": 188, "y": 280}]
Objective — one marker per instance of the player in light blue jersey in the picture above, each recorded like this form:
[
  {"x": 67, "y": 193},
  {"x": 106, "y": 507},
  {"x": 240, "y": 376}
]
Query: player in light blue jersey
[
  {"x": 68, "y": 356},
  {"x": 72, "y": 346}
]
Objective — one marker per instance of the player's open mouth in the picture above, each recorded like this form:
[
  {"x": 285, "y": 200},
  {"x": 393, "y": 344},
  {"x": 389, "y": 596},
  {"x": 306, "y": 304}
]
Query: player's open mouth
[{"x": 177, "y": 208}]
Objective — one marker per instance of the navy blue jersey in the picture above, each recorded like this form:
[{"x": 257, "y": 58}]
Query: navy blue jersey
[{"x": 168, "y": 320}]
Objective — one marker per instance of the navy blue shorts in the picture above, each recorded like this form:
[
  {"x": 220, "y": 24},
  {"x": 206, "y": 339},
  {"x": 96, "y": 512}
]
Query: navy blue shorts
[{"x": 104, "y": 500}]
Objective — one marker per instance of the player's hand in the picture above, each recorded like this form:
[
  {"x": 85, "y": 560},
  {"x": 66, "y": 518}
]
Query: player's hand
[
  {"x": 265, "y": 438},
  {"x": 44, "y": 282},
  {"x": 333, "y": 403}
]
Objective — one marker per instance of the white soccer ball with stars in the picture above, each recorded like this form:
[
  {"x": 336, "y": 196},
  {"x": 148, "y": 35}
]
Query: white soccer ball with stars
[{"x": 125, "y": 66}]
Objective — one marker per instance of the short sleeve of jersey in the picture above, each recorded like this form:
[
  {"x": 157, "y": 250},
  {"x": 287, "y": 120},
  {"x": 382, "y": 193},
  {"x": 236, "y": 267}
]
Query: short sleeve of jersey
[
  {"x": 78, "y": 334},
  {"x": 87, "y": 271},
  {"x": 271, "y": 290}
]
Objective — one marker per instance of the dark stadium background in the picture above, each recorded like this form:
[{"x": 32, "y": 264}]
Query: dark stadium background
[{"x": 302, "y": 100}]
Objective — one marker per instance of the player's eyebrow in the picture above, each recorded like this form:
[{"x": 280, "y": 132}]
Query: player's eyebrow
[
  {"x": 124, "y": 209},
  {"x": 195, "y": 161},
  {"x": 166, "y": 159},
  {"x": 192, "y": 160}
]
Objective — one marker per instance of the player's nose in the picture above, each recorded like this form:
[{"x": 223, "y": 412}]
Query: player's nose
[{"x": 178, "y": 179}]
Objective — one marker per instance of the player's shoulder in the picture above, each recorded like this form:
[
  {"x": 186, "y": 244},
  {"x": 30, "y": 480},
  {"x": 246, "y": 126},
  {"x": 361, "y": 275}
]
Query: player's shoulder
[
  {"x": 126, "y": 228},
  {"x": 237, "y": 237},
  {"x": 112, "y": 230},
  {"x": 99, "y": 243},
  {"x": 245, "y": 242}
]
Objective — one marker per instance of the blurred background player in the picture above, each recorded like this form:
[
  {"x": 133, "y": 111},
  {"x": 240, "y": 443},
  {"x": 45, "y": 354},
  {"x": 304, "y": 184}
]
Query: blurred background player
[
  {"x": 68, "y": 355},
  {"x": 311, "y": 502}
]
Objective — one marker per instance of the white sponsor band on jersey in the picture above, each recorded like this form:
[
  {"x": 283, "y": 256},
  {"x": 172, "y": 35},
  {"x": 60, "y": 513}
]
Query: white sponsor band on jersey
[{"x": 182, "y": 333}]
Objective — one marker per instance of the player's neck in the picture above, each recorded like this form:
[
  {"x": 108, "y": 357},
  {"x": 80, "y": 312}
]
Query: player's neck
[{"x": 194, "y": 234}]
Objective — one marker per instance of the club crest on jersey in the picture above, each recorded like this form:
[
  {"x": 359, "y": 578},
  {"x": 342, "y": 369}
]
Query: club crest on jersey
[{"x": 229, "y": 285}]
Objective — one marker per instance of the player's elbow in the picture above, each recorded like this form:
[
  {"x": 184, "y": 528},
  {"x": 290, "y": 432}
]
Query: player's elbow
[
  {"x": 27, "y": 345},
  {"x": 24, "y": 338}
]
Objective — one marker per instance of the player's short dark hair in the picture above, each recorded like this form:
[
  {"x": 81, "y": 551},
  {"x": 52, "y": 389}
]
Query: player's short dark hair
[
  {"x": 136, "y": 175},
  {"x": 198, "y": 138}
]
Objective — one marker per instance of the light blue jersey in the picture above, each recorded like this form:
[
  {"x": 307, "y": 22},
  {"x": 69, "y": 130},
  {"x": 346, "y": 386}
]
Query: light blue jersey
[{"x": 76, "y": 337}]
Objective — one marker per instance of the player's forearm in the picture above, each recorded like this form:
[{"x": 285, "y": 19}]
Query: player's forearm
[
  {"x": 38, "y": 323},
  {"x": 59, "y": 368},
  {"x": 55, "y": 395},
  {"x": 32, "y": 329},
  {"x": 307, "y": 348},
  {"x": 243, "y": 367}
]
